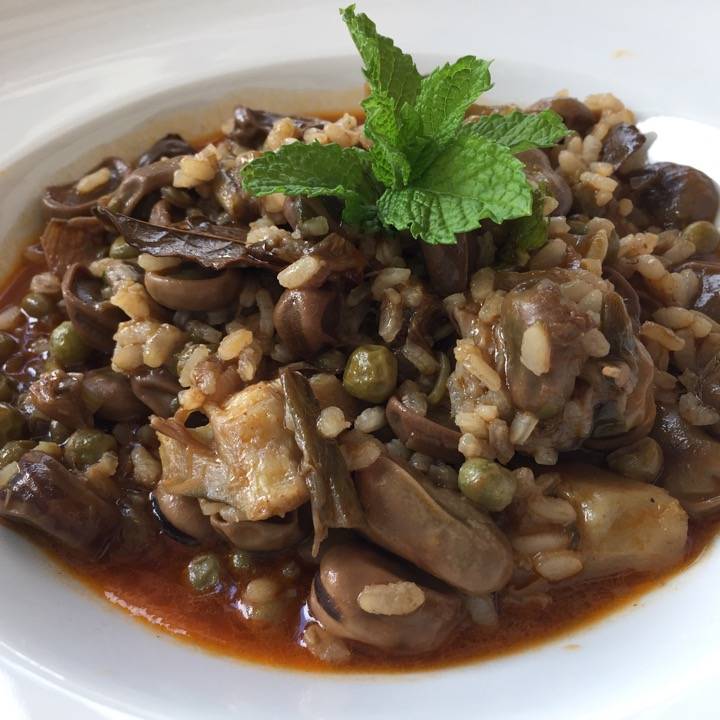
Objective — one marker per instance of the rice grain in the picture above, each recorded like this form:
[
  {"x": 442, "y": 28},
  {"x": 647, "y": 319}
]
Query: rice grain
[{"x": 535, "y": 349}]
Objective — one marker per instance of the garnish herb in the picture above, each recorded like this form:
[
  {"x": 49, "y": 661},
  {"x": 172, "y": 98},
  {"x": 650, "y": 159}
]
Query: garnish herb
[{"x": 428, "y": 171}]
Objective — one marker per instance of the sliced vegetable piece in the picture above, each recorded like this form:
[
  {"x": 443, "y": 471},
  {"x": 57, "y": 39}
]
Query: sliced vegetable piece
[
  {"x": 58, "y": 502},
  {"x": 58, "y": 395},
  {"x": 624, "y": 525},
  {"x": 436, "y": 529},
  {"x": 80, "y": 197},
  {"x": 349, "y": 571},
  {"x": 333, "y": 498},
  {"x": 421, "y": 433},
  {"x": 66, "y": 242},
  {"x": 94, "y": 319}
]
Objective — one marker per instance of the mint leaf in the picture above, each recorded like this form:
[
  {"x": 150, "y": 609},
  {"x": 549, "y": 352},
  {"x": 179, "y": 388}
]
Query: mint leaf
[
  {"x": 518, "y": 131},
  {"x": 313, "y": 170},
  {"x": 530, "y": 232},
  {"x": 382, "y": 125},
  {"x": 387, "y": 68},
  {"x": 395, "y": 83},
  {"x": 446, "y": 94},
  {"x": 472, "y": 179}
]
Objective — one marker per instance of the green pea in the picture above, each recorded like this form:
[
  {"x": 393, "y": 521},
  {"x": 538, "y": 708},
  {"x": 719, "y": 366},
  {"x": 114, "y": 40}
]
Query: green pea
[
  {"x": 85, "y": 447},
  {"x": 642, "y": 460},
  {"x": 203, "y": 572},
  {"x": 487, "y": 484},
  {"x": 240, "y": 560},
  {"x": 703, "y": 235},
  {"x": 8, "y": 345},
  {"x": 121, "y": 250},
  {"x": 178, "y": 360},
  {"x": 57, "y": 432},
  {"x": 37, "y": 305},
  {"x": 11, "y": 423},
  {"x": 8, "y": 389},
  {"x": 371, "y": 373},
  {"x": 12, "y": 451},
  {"x": 66, "y": 345}
]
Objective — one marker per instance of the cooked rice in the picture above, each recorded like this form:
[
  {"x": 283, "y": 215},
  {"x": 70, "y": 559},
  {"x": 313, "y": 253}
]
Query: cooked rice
[
  {"x": 396, "y": 598},
  {"x": 471, "y": 447},
  {"x": 187, "y": 365},
  {"x": 332, "y": 422},
  {"x": 522, "y": 427},
  {"x": 133, "y": 300},
  {"x": 46, "y": 283},
  {"x": 301, "y": 273},
  {"x": 371, "y": 420},
  {"x": 324, "y": 646},
  {"x": 197, "y": 169},
  {"x": 415, "y": 402},
  {"x": 552, "y": 510},
  {"x": 391, "y": 315},
  {"x": 360, "y": 449},
  {"x": 93, "y": 181},
  {"x": 470, "y": 357},
  {"x": 662, "y": 335},
  {"x": 161, "y": 344},
  {"x": 557, "y": 565},
  {"x": 282, "y": 130},
  {"x": 482, "y": 283},
  {"x": 234, "y": 343},
  {"x": 595, "y": 343},
  {"x": 535, "y": 349},
  {"x": 389, "y": 278},
  {"x": 695, "y": 412},
  {"x": 540, "y": 542},
  {"x": 550, "y": 255}
]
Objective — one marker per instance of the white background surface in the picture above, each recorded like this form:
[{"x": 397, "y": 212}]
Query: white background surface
[{"x": 76, "y": 74}]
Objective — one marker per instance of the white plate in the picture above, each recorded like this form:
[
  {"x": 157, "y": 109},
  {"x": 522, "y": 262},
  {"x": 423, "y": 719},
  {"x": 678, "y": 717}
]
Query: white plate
[{"x": 74, "y": 77}]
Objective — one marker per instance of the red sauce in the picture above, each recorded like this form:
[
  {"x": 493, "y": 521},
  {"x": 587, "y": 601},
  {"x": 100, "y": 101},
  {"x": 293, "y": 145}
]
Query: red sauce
[{"x": 153, "y": 589}]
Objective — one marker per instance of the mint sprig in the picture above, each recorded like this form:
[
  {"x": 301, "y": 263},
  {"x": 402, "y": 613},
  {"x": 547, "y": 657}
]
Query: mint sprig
[
  {"x": 472, "y": 178},
  {"x": 428, "y": 171}
]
